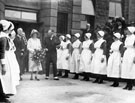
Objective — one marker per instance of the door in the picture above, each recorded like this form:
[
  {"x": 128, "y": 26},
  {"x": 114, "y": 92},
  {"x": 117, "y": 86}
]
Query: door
[{"x": 27, "y": 27}]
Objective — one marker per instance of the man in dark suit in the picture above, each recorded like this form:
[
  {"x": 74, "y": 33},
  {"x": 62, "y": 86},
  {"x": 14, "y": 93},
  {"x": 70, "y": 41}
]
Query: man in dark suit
[
  {"x": 50, "y": 44},
  {"x": 20, "y": 50},
  {"x": 25, "y": 64}
]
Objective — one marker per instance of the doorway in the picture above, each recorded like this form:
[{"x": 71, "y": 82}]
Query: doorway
[{"x": 26, "y": 26}]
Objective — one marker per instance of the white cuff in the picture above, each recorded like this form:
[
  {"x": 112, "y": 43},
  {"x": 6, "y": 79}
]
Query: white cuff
[{"x": 3, "y": 61}]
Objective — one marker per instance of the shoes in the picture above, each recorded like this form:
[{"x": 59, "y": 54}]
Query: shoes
[
  {"x": 65, "y": 76},
  {"x": 130, "y": 88},
  {"x": 36, "y": 78},
  {"x": 31, "y": 78},
  {"x": 46, "y": 77},
  {"x": 116, "y": 85},
  {"x": 96, "y": 81},
  {"x": 56, "y": 78},
  {"x": 83, "y": 79},
  {"x": 76, "y": 76},
  {"x": 126, "y": 87},
  {"x": 87, "y": 79}
]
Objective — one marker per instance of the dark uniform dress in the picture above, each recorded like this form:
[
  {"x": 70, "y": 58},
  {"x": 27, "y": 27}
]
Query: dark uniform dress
[
  {"x": 3, "y": 45},
  {"x": 20, "y": 48},
  {"x": 51, "y": 54}
]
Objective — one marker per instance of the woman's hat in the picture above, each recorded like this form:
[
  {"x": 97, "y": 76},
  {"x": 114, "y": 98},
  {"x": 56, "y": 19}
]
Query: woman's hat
[
  {"x": 77, "y": 35},
  {"x": 69, "y": 36},
  {"x": 6, "y": 24},
  {"x": 117, "y": 35},
  {"x": 88, "y": 35},
  {"x": 131, "y": 29},
  {"x": 101, "y": 33},
  {"x": 33, "y": 32},
  {"x": 63, "y": 37}
]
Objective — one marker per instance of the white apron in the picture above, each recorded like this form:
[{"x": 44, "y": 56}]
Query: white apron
[
  {"x": 65, "y": 54},
  {"x": 97, "y": 67},
  {"x": 114, "y": 61},
  {"x": 85, "y": 58},
  {"x": 128, "y": 67},
  {"x": 59, "y": 55},
  {"x": 74, "y": 66},
  {"x": 11, "y": 79}
]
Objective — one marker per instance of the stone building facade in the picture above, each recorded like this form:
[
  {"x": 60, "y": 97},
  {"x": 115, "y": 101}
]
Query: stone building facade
[{"x": 63, "y": 16}]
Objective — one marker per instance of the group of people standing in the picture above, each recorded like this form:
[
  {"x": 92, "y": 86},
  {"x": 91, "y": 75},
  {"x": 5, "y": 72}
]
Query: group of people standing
[
  {"x": 69, "y": 53},
  {"x": 89, "y": 57},
  {"x": 14, "y": 52}
]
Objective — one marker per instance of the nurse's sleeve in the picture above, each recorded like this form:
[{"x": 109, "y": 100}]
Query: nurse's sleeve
[
  {"x": 3, "y": 44},
  {"x": 92, "y": 47},
  {"x": 121, "y": 49},
  {"x": 103, "y": 46}
]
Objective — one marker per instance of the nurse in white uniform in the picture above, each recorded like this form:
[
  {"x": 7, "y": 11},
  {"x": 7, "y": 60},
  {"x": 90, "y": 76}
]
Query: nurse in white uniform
[
  {"x": 10, "y": 80},
  {"x": 59, "y": 55},
  {"x": 86, "y": 56},
  {"x": 128, "y": 64},
  {"x": 114, "y": 61},
  {"x": 75, "y": 56},
  {"x": 66, "y": 55},
  {"x": 98, "y": 65}
]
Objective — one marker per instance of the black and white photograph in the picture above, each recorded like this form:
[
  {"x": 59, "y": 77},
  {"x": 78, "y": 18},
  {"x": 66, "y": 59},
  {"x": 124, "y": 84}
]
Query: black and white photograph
[{"x": 67, "y": 51}]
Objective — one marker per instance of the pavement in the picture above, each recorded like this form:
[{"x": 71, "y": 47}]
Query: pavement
[{"x": 70, "y": 91}]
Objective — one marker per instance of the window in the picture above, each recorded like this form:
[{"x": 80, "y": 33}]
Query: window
[
  {"x": 62, "y": 23},
  {"x": 87, "y": 7},
  {"x": 21, "y": 15},
  {"x": 115, "y": 9}
]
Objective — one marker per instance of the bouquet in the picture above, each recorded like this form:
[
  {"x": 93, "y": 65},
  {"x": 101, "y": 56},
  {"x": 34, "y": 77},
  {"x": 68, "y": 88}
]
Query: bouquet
[{"x": 38, "y": 56}]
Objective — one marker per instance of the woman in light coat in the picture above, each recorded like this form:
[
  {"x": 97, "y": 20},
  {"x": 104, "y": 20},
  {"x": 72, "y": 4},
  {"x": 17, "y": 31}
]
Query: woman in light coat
[
  {"x": 33, "y": 45},
  {"x": 114, "y": 61},
  {"x": 74, "y": 68},
  {"x": 98, "y": 65},
  {"x": 128, "y": 64},
  {"x": 86, "y": 56}
]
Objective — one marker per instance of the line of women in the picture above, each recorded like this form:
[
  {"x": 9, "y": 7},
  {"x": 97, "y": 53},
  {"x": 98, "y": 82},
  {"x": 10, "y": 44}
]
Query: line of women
[
  {"x": 89, "y": 57},
  {"x": 10, "y": 79}
]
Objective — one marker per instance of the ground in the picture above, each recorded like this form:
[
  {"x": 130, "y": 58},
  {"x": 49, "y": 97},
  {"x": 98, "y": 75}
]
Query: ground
[{"x": 70, "y": 91}]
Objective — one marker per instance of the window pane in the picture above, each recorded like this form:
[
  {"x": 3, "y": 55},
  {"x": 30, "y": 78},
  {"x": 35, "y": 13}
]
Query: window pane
[
  {"x": 13, "y": 14},
  {"x": 112, "y": 9},
  {"x": 62, "y": 23},
  {"x": 118, "y": 9},
  {"x": 29, "y": 16},
  {"x": 87, "y": 7}
]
